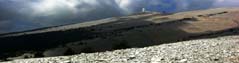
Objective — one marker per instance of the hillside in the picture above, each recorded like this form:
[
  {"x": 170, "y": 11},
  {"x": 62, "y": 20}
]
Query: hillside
[{"x": 134, "y": 31}]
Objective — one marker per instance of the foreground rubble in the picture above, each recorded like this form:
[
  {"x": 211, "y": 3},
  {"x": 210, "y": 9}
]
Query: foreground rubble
[{"x": 214, "y": 50}]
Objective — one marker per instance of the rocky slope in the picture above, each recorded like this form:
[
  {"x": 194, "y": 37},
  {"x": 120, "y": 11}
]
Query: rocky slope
[
  {"x": 215, "y": 50},
  {"x": 134, "y": 31}
]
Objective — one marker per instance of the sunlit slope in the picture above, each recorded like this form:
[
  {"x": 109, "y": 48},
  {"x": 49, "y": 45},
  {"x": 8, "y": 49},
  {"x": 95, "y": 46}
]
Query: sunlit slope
[{"x": 151, "y": 17}]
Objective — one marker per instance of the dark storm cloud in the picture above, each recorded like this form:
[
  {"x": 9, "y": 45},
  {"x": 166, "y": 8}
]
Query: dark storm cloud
[
  {"x": 186, "y": 5},
  {"x": 18, "y": 15},
  {"x": 4, "y": 26},
  {"x": 83, "y": 11},
  {"x": 15, "y": 15}
]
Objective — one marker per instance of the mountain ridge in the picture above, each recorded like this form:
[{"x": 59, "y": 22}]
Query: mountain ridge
[{"x": 133, "y": 31}]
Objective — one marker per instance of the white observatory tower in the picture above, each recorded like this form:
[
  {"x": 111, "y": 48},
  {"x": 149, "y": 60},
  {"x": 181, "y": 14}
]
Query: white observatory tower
[{"x": 143, "y": 10}]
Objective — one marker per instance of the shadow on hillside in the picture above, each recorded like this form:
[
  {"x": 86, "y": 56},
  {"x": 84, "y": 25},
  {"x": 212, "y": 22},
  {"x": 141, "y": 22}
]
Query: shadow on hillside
[{"x": 43, "y": 41}]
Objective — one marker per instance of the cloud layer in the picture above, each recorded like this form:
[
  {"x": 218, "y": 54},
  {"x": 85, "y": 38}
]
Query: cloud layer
[{"x": 19, "y": 15}]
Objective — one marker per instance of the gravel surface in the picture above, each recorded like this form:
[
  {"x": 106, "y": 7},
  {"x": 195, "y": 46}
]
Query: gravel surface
[{"x": 214, "y": 50}]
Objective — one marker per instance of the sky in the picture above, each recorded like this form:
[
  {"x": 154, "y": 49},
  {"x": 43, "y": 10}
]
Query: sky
[{"x": 20, "y": 15}]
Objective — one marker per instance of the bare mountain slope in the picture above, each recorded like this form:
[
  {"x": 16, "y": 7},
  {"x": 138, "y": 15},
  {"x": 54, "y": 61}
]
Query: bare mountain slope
[
  {"x": 215, "y": 50},
  {"x": 134, "y": 31}
]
